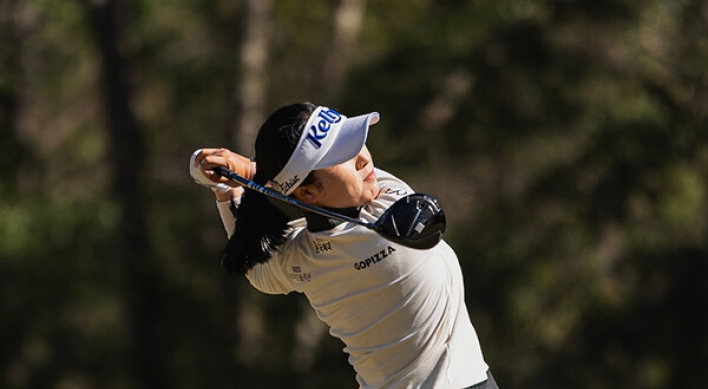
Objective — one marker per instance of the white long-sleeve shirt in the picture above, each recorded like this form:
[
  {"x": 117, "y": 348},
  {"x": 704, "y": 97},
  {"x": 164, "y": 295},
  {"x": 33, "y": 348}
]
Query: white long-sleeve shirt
[{"x": 399, "y": 311}]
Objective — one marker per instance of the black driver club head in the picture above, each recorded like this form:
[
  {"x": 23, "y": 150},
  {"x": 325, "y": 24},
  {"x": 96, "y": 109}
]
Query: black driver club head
[{"x": 415, "y": 221}]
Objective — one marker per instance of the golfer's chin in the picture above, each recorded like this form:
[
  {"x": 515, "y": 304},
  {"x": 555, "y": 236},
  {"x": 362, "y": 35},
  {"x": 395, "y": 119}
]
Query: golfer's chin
[
  {"x": 371, "y": 192},
  {"x": 367, "y": 195}
]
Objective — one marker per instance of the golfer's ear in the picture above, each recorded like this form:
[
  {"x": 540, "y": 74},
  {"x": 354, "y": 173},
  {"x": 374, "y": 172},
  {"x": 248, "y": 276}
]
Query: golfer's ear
[{"x": 306, "y": 193}]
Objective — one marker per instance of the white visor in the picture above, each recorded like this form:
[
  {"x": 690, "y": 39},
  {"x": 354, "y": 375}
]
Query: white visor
[{"x": 329, "y": 138}]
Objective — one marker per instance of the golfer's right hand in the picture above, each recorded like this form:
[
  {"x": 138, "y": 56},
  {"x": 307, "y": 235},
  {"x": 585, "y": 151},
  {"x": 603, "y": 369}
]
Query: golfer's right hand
[{"x": 204, "y": 160}]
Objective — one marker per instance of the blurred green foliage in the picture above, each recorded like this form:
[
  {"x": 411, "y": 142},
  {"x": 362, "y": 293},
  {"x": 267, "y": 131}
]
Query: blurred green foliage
[{"x": 566, "y": 139}]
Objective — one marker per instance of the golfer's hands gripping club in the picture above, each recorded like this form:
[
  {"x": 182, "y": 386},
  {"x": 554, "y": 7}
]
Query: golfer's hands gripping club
[{"x": 203, "y": 161}]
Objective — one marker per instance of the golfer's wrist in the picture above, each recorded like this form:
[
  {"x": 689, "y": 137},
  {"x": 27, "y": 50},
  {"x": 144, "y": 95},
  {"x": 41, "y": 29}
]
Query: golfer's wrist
[{"x": 226, "y": 196}]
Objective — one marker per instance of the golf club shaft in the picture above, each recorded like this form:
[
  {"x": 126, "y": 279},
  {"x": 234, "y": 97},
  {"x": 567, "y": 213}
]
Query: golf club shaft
[{"x": 224, "y": 172}]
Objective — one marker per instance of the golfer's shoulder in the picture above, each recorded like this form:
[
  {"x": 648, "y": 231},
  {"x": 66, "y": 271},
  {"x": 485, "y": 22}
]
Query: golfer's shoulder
[
  {"x": 295, "y": 235},
  {"x": 297, "y": 224},
  {"x": 272, "y": 276},
  {"x": 298, "y": 241}
]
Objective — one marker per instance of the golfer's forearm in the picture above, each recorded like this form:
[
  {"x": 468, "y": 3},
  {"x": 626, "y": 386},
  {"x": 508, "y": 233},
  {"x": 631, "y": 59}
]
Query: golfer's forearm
[{"x": 227, "y": 217}]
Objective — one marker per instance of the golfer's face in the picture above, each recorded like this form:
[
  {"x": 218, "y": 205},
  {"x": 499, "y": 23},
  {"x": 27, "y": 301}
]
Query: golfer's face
[{"x": 349, "y": 184}]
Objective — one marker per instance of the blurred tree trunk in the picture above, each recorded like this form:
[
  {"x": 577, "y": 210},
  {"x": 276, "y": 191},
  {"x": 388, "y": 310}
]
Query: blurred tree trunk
[
  {"x": 127, "y": 148},
  {"x": 10, "y": 70},
  {"x": 248, "y": 110},
  {"x": 347, "y": 20},
  {"x": 11, "y": 155},
  {"x": 251, "y": 89},
  {"x": 442, "y": 108}
]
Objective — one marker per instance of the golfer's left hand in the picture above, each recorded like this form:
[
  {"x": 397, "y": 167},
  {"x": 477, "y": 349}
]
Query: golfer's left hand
[{"x": 203, "y": 161}]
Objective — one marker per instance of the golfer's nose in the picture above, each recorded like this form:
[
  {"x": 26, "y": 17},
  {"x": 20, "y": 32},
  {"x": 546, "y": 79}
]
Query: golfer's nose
[{"x": 363, "y": 158}]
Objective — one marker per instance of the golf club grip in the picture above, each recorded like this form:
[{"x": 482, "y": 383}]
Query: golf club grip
[{"x": 224, "y": 172}]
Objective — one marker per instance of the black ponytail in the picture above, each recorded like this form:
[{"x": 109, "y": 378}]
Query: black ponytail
[
  {"x": 260, "y": 228},
  {"x": 260, "y": 225}
]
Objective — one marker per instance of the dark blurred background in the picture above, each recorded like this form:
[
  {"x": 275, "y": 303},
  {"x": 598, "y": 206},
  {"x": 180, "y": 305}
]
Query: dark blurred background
[{"x": 566, "y": 140}]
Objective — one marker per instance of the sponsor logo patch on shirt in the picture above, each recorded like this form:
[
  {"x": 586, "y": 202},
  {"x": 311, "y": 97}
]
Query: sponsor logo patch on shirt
[
  {"x": 322, "y": 247},
  {"x": 396, "y": 191},
  {"x": 298, "y": 276},
  {"x": 374, "y": 259}
]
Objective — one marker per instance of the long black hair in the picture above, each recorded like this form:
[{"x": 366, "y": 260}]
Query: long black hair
[{"x": 260, "y": 225}]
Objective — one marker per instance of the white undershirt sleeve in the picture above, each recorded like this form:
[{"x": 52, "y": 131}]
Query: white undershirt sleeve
[{"x": 227, "y": 217}]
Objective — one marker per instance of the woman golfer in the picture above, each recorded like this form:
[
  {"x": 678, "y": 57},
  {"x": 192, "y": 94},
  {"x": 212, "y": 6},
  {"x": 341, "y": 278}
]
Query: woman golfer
[{"x": 399, "y": 311}]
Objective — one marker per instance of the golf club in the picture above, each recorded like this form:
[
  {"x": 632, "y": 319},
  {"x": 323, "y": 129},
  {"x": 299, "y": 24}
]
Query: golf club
[{"x": 416, "y": 220}]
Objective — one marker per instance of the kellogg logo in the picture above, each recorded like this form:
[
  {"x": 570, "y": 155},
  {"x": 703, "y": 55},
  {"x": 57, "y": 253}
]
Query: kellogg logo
[{"x": 319, "y": 129}]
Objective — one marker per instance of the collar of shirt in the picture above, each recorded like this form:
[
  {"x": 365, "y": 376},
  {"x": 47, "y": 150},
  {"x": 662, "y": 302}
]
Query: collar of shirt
[{"x": 317, "y": 223}]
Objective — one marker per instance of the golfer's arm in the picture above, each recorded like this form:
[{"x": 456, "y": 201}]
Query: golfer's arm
[{"x": 223, "y": 204}]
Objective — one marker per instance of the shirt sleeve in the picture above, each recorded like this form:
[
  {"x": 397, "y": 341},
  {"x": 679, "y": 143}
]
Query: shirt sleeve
[
  {"x": 272, "y": 276},
  {"x": 269, "y": 277},
  {"x": 227, "y": 217}
]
